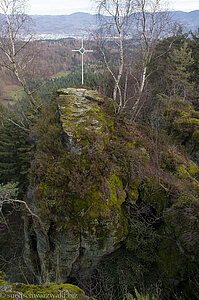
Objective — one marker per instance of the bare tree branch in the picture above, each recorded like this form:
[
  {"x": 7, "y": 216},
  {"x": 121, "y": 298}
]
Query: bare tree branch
[
  {"x": 15, "y": 37},
  {"x": 7, "y": 196}
]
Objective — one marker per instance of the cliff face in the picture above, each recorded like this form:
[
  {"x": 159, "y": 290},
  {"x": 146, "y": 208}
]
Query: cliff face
[
  {"x": 78, "y": 191},
  {"x": 95, "y": 178}
]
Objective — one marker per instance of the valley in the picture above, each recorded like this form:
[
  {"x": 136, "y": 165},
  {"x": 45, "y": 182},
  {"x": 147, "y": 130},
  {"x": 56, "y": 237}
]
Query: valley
[{"x": 99, "y": 181}]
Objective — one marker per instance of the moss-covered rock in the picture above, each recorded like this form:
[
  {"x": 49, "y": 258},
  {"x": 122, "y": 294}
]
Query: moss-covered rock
[
  {"x": 78, "y": 187},
  {"x": 93, "y": 175},
  {"x": 155, "y": 193},
  {"x": 80, "y": 111},
  {"x": 45, "y": 291}
]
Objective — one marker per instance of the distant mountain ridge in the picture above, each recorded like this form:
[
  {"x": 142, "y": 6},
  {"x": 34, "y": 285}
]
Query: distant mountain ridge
[
  {"x": 79, "y": 23},
  {"x": 189, "y": 19},
  {"x": 74, "y": 24}
]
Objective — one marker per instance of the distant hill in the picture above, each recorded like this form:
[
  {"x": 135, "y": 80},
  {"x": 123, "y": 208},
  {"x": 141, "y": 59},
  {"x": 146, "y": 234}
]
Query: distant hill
[
  {"x": 189, "y": 19},
  {"x": 75, "y": 24},
  {"x": 78, "y": 23}
]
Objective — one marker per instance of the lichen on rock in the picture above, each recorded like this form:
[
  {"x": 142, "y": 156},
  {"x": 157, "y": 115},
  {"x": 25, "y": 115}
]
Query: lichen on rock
[
  {"x": 45, "y": 291},
  {"x": 78, "y": 191},
  {"x": 79, "y": 109},
  {"x": 94, "y": 176}
]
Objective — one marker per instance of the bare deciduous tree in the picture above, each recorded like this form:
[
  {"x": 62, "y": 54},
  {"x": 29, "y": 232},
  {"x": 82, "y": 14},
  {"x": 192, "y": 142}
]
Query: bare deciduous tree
[
  {"x": 8, "y": 194},
  {"x": 152, "y": 22},
  {"x": 143, "y": 20},
  {"x": 115, "y": 28},
  {"x": 15, "y": 41}
]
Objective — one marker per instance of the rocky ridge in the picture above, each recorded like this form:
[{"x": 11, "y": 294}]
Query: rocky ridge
[{"x": 96, "y": 176}]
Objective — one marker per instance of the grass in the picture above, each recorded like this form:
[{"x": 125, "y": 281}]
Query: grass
[
  {"x": 13, "y": 93},
  {"x": 61, "y": 74}
]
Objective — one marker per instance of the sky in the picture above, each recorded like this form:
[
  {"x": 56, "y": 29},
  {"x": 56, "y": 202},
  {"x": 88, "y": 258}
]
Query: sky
[{"x": 65, "y": 7}]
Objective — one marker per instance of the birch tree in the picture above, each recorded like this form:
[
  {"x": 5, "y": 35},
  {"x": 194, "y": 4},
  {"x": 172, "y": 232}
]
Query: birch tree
[
  {"x": 115, "y": 28},
  {"x": 15, "y": 41},
  {"x": 144, "y": 20},
  {"x": 153, "y": 21}
]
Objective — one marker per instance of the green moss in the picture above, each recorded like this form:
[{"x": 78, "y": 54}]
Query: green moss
[
  {"x": 123, "y": 229},
  {"x": 189, "y": 173},
  {"x": 182, "y": 172},
  {"x": 140, "y": 296},
  {"x": 193, "y": 169},
  {"x": 117, "y": 194},
  {"x": 99, "y": 99},
  {"x": 84, "y": 191},
  {"x": 133, "y": 190},
  {"x": 90, "y": 206},
  {"x": 95, "y": 204},
  {"x": 186, "y": 126},
  {"x": 3, "y": 278},
  {"x": 195, "y": 136},
  {"x": 112, "y": 199},
  {"x": 43, "y": 186},
  {"x": 46, "y": 291},
  {"x": 193, "y": 121},
  {"x": 82, "y": 118},
  {"x": 195, "y": 114},
  {"x": 154, "y": 193}
]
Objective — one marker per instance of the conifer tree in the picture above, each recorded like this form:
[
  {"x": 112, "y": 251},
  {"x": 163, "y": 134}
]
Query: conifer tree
[
  {"x": 194, "y": 44},
  {"x": 15, "y": 155},
  {"x": 179, "y": 74}
]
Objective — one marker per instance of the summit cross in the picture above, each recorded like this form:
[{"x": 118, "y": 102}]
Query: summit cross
[{"x": 82, "y": 51}]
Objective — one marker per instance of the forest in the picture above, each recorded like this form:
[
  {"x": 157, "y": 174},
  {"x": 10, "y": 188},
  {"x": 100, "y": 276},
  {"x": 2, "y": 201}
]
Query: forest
[{"x": 99, "y": 184}]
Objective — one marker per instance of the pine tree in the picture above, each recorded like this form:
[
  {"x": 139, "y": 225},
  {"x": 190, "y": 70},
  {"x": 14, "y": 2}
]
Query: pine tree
[
  {"x": 15, "y": 155},
  {"x": 180, "y": 62}
]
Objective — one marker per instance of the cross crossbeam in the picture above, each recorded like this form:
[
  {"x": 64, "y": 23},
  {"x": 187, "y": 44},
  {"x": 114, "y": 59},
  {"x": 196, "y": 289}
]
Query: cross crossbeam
[{"x": 82, "y": 51}]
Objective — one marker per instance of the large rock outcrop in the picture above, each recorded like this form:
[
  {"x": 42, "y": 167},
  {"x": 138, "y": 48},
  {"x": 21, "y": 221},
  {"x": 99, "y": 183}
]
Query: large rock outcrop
[
  {"x": 78, "y": 191},
  {"x": 98, "y": 181}
]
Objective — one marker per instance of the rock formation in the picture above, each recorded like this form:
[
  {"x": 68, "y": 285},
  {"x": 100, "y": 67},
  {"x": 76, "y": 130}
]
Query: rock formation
[
  {"x": 90, "y": 221},
  {"x": 95, "y": 173}
]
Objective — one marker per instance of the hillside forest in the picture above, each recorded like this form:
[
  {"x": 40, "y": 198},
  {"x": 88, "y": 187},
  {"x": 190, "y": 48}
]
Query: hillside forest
[{"x": 99, "y": 184}]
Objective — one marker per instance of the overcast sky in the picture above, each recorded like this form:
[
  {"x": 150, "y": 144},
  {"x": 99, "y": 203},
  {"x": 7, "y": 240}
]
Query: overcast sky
[{"x": 63, "y": 7}]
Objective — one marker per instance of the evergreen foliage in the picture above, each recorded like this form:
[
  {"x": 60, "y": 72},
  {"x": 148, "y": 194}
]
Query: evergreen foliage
[
  {"x": 15, "y": 155},
  {"x": 91, "y": 79},
  {"x": 180, "y": 62},
  {"x": 194, "y": 45}
]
